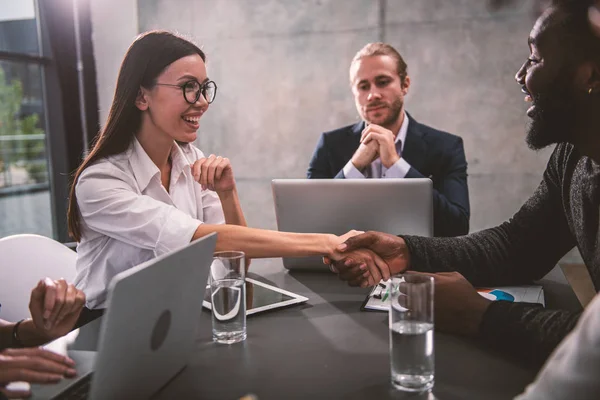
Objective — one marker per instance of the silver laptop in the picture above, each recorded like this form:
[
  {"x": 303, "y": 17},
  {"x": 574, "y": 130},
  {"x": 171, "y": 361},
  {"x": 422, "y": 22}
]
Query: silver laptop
[
  {"x": 149, "y": 328},
  {"x": 396, "y": 206}
]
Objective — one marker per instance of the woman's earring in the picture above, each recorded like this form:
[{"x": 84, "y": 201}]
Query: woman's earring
[{"x": 590, "y": 90}]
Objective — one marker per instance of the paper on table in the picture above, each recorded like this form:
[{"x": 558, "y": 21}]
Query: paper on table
[
  {"x": 526, "y": 294},
  {"x": 378, "y": 299}
]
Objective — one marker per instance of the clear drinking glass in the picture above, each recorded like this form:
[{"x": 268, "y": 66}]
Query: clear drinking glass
[
  {"x": 411, "y": 332},
  {"x": 228, "y": 296}
]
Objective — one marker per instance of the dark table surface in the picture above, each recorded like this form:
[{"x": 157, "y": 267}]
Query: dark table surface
[{"x": 329, "y": 349}]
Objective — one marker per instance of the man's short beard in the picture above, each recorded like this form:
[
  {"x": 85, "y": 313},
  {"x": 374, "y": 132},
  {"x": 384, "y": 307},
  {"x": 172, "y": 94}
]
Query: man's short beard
[
  {"x": 395, "y": 110},
  {"x": 553, "y": 120}
]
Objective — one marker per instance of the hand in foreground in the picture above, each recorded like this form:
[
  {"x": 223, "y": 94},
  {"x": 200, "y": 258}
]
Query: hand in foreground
[
  {"x": 214, "y": 173},
  {"x": 34, "y": 365},
  {"x": 55, "y": 307},
  {"x": 459, "y": 308},
  {"x": 385, "y": 141},
  {"x": 391, "y": 249}
]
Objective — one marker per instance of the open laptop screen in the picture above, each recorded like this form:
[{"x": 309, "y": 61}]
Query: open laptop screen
[{"x": 395, "y": 206}]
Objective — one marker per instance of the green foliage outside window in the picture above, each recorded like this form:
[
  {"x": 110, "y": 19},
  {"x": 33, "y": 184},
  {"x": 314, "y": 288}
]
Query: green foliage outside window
[{"x": 23, "y": 153}]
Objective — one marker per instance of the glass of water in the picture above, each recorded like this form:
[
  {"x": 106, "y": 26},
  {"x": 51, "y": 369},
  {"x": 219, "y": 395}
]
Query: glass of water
[
  {"x": 228, "y": 296},
  {"x": 411, "y": 332}
]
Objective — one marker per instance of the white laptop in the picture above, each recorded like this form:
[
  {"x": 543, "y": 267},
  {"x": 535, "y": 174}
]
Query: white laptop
[
  {"x": 148, "y": 331},
  {"x": 396, "y": 206}
]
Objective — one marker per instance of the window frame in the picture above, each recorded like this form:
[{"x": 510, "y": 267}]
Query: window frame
[{"x": 58, "y": 154}]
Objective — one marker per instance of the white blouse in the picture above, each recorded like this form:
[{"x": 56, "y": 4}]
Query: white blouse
[{"x": 127, "y": 216}]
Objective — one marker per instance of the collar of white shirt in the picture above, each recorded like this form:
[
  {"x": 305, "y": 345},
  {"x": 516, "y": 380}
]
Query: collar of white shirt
[{"x": 144, "y": 168}]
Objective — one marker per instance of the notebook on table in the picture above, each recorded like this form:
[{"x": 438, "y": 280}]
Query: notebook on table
[{"x": 378, "y": 298}]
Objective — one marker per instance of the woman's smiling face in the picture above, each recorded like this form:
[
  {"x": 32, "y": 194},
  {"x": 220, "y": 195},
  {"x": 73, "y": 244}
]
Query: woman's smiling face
[{"x": 166, "y": 105}]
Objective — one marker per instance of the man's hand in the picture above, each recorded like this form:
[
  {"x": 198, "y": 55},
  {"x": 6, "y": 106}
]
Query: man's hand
[
  {"x": 214, "y": 173},
  {"x": 386, "y": 142},
  {"x": 55, "y": 307},
  {"x": 34, "y": 365},
  {"x": 365, "y": 155},
  {"x": 361, "y": 268},
  {"x": 459, "y": 308},
  {"x": 391, "y": 249}
]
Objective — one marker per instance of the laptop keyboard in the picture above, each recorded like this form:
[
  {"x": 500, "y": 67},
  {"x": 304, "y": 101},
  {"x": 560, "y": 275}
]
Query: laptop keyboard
[{"x": 79, "y": 391}]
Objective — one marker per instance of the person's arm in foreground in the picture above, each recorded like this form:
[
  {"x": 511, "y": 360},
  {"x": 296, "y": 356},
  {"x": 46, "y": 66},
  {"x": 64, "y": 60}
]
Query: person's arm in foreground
[
  {"x": 572, "y": 370},
  {"x": 55, "y": 307},
  {"x": 32, "y": 365}
]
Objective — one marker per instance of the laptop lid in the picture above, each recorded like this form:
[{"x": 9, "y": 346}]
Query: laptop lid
[
  {"x": 149, "y": 329},
  {"x": 396, "y": 206}
]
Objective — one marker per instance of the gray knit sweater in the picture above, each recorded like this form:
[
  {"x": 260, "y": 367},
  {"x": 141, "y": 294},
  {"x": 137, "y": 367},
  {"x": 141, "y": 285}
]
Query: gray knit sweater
[{"x": 562, "y": 213}]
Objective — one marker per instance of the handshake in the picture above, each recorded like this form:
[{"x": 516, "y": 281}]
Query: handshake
[{"x": 365, "y": 258}]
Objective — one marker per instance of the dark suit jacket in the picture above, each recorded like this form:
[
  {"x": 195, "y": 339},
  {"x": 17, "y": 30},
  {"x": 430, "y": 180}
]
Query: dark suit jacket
[{"x": 431, "y": 153}]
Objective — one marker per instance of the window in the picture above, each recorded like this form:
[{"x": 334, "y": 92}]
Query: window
[
  {"x": 46, "y": 86},
  {"x": 25, "y": 203}
]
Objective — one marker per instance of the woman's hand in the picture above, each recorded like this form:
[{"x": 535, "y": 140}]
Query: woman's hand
[
  {"x": 348, "y": 235},
  {"x": 214, "y": 173},
  {"x": 335, "y": 242}
]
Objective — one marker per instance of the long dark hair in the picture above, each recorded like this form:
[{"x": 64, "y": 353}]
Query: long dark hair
[{"x": 149, "y": 54}]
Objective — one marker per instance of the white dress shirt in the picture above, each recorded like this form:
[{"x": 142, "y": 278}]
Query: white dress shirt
[
  {"x": 398, "y": 170},
  {"x": 573, "y": 370},
  {"x": 127, "y": 216}
]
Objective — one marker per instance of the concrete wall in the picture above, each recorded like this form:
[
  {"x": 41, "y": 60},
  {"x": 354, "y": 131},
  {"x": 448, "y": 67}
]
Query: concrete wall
[
  {"x": 112, "y": 33},
  {"x": 282, "y": 71}
]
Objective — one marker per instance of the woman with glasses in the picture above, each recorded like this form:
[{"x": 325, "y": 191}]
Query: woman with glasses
[{"x": 144, "y": 189}]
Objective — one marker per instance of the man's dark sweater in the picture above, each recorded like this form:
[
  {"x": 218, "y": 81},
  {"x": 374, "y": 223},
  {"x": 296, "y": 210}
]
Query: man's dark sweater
[{"x": 562, "y": 213}]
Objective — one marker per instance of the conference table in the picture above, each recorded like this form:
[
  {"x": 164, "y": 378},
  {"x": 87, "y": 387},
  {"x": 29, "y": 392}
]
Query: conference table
[{"x": 328, "y": 348}]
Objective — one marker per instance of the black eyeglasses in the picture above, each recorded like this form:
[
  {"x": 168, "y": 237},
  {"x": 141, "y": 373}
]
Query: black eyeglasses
[{"x": 192, "y": 90}]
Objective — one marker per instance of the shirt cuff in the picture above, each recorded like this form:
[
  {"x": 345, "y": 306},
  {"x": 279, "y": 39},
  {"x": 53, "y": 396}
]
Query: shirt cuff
[
  {"x": 350, "y": 171},
  {"x": 178, "y": 231},
  {"x": 398, "y": 170}
]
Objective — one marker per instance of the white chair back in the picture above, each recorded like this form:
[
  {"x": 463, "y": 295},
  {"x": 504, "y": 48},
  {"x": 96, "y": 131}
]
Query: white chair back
[{"x": 24, "y": 260}]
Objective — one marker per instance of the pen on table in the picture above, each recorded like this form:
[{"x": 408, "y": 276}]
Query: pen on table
[{"x": 385, "y": 296}]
